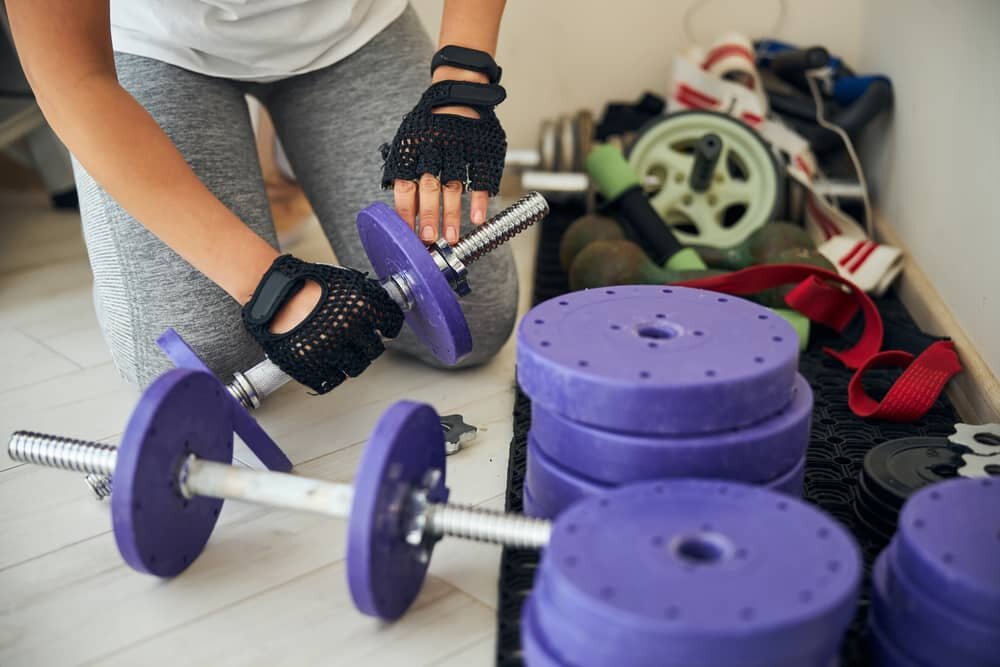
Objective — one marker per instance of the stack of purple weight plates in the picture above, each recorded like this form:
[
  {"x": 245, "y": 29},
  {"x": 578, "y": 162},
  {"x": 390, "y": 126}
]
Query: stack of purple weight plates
[
  {"x": 642, "y": 382},
  {"x": 692, "y": 573},
  {"x": 936, "y": 587}
]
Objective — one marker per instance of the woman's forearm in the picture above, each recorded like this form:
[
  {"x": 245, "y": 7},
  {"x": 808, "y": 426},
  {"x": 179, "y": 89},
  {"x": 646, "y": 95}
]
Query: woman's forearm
[
  {"x": 124, "y": 150},
  {"x": 70, "y": 66},
  {"x": 473, "y": 24}
]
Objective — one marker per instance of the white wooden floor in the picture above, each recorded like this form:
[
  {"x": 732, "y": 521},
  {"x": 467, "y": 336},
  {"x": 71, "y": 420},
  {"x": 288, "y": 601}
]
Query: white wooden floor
[{"x": 270, "y": 588}]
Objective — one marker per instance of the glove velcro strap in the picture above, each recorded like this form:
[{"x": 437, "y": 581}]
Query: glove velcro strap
[
  {"x": 463, "y": 93},
  {"x": 283, "y": 280}
]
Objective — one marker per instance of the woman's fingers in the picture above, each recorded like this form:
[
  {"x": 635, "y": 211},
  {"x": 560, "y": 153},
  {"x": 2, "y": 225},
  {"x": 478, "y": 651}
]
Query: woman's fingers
[
  {"x": 452, "y": 211},
  {"x": 430, "y": 201},
  {"x": 404, "y": 194},
  {"x": 477, "y": 206},
  {"x": 419, "y": 204}
]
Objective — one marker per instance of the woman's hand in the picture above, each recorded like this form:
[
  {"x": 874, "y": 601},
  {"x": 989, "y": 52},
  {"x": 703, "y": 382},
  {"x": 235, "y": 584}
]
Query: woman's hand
[
  {"x": 346, "y": 313},
  {"x": 461, "y": 145}
]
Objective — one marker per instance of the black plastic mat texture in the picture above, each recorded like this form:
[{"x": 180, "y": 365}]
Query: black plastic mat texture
[{"x": 839, "y": 441}]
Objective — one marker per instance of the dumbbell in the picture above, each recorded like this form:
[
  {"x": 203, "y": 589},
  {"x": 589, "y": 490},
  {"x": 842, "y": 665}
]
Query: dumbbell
[
  {"x": 617, "y": 127},
  {"x": 172, "y": 471},
  {"x": 424, "y": 283},
  {"x": 626, "y": 202},
  {"x": 172, "y": 476},
  {"x": 562, "y": 144},
  {"x": 622, "y": 262}
]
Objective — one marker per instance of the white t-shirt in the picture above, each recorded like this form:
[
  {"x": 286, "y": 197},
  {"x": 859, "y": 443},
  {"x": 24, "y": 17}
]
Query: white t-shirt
[{"x": 250, "y": 40}]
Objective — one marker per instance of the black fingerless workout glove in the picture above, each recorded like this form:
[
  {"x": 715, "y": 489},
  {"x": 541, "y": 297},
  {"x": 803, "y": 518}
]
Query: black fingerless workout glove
[
  {"x": 453, "y": 148},
  {"x": 339, "y": 339}
]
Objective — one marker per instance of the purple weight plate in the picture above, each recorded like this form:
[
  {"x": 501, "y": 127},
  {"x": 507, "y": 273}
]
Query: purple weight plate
[
  {"x": 947, "y": 541},
  {"x": 250, "y": 432},
  {"x": 384, "y": 572},
  {"x": 885, "y": 653},
  {"x": 657, "y": 360},
  {"x": 158, "y": 531},
  {"x": 533, "y": 642},
  {"x": 554, "y": 488},
  {"x": 529, "y": 506},
  {"x": 700, "y": 572},
  {"x": 754, "y": 453},
  {"x": 924, "y": 625},
  {"x": 436, "y": 317},
  {"x": 533, "y": 645}
]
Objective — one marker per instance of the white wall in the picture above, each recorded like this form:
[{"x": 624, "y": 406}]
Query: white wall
[
  {"x": 560, "y": 55},
  {"x": 936, "y": 165}
]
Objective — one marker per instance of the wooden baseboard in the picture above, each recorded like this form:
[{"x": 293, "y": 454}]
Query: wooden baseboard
[{"x": 975, "y": 392}]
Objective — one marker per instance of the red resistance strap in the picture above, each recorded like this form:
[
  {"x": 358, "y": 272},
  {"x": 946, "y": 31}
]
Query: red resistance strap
[{"x": 820, "y": 295}]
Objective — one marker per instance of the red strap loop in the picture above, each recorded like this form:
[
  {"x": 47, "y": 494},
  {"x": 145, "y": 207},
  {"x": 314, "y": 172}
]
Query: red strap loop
[
  {"x": 913, "y": 393},
  {"x": 829, "y": 305},
  {"x": 765, "y": 276}
]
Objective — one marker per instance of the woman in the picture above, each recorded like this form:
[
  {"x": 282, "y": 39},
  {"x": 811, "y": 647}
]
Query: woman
[{"x": 149, "y": 97}]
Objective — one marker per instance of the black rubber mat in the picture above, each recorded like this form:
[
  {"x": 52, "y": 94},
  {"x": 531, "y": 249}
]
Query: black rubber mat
[{"x": 838, "y": 444}]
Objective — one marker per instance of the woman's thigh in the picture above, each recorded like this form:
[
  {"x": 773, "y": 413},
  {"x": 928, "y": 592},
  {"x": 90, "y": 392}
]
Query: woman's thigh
[{"x": 141, "y": 286}]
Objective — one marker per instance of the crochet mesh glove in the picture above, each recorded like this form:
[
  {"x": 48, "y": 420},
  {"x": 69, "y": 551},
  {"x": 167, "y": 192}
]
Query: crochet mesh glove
[
  {"x": 453, "y": 148},
  {"x": 339, "y": 339}
]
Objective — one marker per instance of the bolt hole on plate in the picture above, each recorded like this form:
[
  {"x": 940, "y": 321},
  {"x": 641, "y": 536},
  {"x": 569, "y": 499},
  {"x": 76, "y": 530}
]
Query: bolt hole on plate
[{"x": 989, "y": 439}]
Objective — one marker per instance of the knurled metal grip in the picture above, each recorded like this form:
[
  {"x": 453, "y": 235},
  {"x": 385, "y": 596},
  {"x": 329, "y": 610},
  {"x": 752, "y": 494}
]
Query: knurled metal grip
[{"x": 452, "y": 261}]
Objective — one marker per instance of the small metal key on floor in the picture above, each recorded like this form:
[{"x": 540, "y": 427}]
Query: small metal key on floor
[
  {"x": 456, "y": 433},
  {"x": 425, "y": 283}
]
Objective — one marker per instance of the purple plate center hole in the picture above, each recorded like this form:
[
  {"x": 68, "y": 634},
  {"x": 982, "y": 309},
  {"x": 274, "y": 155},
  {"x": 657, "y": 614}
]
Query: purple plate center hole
[
  {"x": 702, "y": 548},
  {"x": 659, "y": 330}
]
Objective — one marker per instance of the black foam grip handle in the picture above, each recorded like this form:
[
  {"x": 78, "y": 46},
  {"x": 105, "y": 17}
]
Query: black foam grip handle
[
  {"x": 799, "y": 60},
  {"x": 792, "y": 65},
  {"x": 876, "y": 99},
  {"x": 636, "y": 213},
  {"x": 789, "y": 104}
]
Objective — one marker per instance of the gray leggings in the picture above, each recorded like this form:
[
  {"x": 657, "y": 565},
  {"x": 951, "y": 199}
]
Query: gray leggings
[{"x": 330, "y": 123}]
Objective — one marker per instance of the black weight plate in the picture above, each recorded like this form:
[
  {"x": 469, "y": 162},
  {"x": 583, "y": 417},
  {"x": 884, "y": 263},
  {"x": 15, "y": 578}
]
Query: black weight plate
[
  {"x": 873, "y": 511},
  {"x": 896, "y": 469}
]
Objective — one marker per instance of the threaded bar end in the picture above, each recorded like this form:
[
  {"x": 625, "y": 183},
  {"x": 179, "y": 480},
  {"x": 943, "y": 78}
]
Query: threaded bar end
[
  {"x": 472, "y": 523},
  {"x": 53, "y": 451},
  {"x": 499, "y": 229}
]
